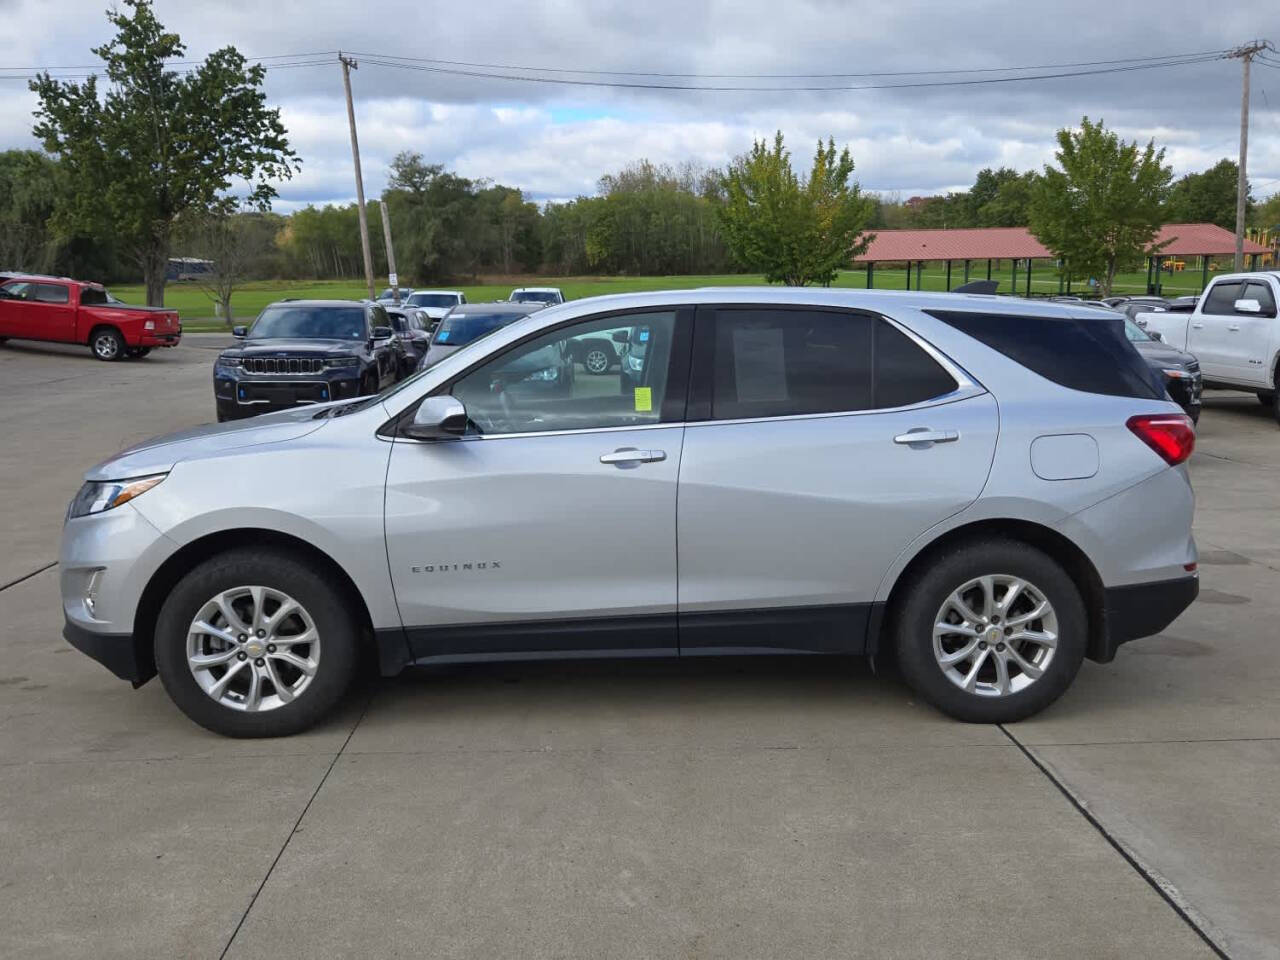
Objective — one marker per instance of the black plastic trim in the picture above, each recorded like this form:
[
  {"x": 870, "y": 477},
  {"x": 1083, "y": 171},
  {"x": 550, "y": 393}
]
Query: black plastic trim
[
  {"x": 640, "y": 635},
  {"x": 116, "y": 651},
  {"x": 833, "y": 628},
  {"x": 1142, "y": 610}
]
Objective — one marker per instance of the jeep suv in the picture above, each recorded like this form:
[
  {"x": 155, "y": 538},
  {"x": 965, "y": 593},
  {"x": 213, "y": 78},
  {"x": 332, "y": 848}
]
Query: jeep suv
[
  {"x": 989, "y": 491},
  {"x": 302, "y": 352}
]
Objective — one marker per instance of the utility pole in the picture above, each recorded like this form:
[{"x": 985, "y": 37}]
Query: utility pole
[
  {"x": 1244, "y": 53},
  {"x": 392, "y": 280},
  {"x": 347, "y": 66}
]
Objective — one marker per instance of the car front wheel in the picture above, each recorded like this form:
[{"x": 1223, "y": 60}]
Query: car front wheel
[
  {"x": 596, "y": 361},
  {"x": 991, "y": 632},
  {"x": 256, "y": 644}
]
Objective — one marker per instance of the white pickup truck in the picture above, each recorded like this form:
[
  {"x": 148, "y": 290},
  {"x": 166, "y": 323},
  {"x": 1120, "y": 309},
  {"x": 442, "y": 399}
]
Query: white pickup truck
[{"x": 1233, "y": 332}]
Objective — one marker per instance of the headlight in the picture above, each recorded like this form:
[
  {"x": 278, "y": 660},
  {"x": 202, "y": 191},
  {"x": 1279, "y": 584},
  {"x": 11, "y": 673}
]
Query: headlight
[
  {"x": 343, "y": 361},
  {"x": 97, "y": 496},
  {"x": 635, "y": 363},
  {"x": 228, "y": 361},
  {"x": 1178, "y": 374}
]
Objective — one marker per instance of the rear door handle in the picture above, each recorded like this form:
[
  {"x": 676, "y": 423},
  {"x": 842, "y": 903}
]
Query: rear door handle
[
  {"x": 1197, "y": 326},
  {"x": 922, "y": 437},
  {"x": 628, "y": 455}
]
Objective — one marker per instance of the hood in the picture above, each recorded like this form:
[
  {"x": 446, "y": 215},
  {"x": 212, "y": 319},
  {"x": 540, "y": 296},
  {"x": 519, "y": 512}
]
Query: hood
[
  {"x": 435, "y": 313},
  {"x": 159, "y": 454},
  {"x": 295, "y": 346},
  {"x": 1157, "y": 353}
]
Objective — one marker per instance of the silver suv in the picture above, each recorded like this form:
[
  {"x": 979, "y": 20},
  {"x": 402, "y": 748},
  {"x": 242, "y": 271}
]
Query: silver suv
[{"x": 988, "y": 490}]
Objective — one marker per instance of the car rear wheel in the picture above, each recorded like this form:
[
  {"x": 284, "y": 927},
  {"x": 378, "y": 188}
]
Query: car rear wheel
[
  {"x": 107, "y": 344},
  {"x": 596, "y": 361},
  {"x": 991, "y": 632},
  {"x": 256, "y": 644}
]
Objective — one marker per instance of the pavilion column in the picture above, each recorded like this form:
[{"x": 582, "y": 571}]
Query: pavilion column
[
  {"x": 1204, "y": 272},
  {"x": 1028, "y": 277},
  {"x": 949, "y": 276},
  {"x": 966, "y": 271},
  {"x": 871, "y": 277},
  {"x": 1014, "y": 288},
  {"x": 988, "y": 268}
]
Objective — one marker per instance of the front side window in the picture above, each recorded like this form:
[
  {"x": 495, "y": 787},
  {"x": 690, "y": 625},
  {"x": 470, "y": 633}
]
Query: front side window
[
  {"x": 1260, "y": 291},
  {"x": 543, "y": 384},
  {"x": 19, "y": 291},
  {"x": 1221, "y": 298}
]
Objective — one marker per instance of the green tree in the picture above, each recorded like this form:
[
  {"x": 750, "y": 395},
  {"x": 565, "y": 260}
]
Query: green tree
[
  {"x": 1208, "y": 197},
  {"x": 28, "y": 192},
  {"x": 792, "y": 230},
  {"x": 1267, "y": 213},
  {"x": 1100, "y": 212},
  {"x": 158, "y": 143}
]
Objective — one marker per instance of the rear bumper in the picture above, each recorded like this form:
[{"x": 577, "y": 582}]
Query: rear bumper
[
  {"x": 1141, "y": 610},
  {"x": 115, "y": 651},
  {"x": 158, "y": 339}
]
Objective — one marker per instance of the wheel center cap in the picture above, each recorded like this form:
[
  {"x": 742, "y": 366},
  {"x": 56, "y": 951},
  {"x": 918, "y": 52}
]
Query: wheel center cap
[
  {"x": 255, "y": 648},
  {"x": 994, "y": 634}
]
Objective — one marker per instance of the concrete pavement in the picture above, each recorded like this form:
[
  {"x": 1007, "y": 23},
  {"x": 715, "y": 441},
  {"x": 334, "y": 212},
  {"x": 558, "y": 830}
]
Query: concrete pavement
[{"x": 706, "y": 809}]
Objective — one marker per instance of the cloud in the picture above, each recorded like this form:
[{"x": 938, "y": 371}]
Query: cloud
[{"x": 556, "y": 141}]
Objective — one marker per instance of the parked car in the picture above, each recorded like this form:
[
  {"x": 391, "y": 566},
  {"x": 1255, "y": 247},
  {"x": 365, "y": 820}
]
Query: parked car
[
  {"x": 413, "y": 331},
  {"x": 471, "y": 322},
  {"x": 989, "y": 491},
  {"x": 547, "y": 296},
  {"x": 435, "y": 303},
  {"x": 61, "y": 310},
  {"x": 389, "y": 295},
  {"x": 303, "y": 352},
  {"x": 1233, "y": 331},
  {"x": 1177, "y": 369}
]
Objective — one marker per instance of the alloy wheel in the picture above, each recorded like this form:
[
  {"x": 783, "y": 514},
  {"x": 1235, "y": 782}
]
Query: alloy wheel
[
  {"x": 596, "y": 362},
  {"x": 105, "y": 346},
  {"x": 253, "y": 648},
  {"x": 995, "y": 635}
]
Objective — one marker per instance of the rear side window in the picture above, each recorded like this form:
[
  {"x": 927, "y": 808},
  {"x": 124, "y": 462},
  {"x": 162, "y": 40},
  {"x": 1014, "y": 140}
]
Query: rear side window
[
  {"x": 1221, "y": 298},
  {"x": 791, "y": 362},
  {"x": 1090, "y": 354}
]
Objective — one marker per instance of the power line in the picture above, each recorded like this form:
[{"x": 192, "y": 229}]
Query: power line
[
  {"x": 566, "y": 81},
  {"x": 1192, "y": 57}
]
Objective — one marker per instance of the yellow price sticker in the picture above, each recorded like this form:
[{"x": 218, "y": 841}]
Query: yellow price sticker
[{"x": 644, "y": 399}]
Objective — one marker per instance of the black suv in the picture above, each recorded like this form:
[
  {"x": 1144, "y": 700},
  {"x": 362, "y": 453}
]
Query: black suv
[{"x": 306, "y": 351}]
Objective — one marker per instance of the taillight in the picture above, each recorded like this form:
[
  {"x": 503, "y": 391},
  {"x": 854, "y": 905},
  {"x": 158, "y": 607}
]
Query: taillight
[{"x": 1169, "y": 434}]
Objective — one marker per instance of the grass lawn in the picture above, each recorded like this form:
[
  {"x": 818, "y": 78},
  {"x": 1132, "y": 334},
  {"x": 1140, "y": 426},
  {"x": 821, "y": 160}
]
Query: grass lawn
[{"x": 196, "y": 309}]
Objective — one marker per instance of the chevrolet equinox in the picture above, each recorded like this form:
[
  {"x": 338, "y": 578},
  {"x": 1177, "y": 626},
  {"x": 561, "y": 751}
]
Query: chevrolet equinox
[{"x": 989, "y": 490}]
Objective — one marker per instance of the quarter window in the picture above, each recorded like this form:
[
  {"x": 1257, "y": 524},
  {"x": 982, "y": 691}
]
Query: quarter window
[
  {"x": 608, "y": 372},
  {"x": 1221, "y": 298}
]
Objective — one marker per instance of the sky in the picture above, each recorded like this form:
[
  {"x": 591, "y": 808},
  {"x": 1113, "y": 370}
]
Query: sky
[{"x": 555, "y": 141}]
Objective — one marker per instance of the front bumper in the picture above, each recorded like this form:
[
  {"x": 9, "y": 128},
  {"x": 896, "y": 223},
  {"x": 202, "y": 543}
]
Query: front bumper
[
  {"x": 115, "y": 651},
  {"x": 1142, "y": 610},
  {"x": 239, "y": 395}
]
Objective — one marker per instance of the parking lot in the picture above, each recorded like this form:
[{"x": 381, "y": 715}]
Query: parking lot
[{"x": 731, "y": 808}]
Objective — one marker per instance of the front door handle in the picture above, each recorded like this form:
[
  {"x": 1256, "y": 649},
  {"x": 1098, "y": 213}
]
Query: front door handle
[
  {"x": 629, "y": 455},
  {"x": 1234, "y": 328},
  {"x": 921, "y": 437}
]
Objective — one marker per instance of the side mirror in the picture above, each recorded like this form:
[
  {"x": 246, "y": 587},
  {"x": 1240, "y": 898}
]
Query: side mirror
[
  {"x": 621, "y": 336},
  {"x": 240, "y": 331},
  {"x": 381, "y": 333},
  {"x": 1248, "y": 306},
  {"x": 437, "y": 418}
]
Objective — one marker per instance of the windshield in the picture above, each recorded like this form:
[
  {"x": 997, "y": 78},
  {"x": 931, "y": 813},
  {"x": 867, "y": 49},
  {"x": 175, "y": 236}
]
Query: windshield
[
  {"x": 1134, "y": 332},
  {"x": 535, "y": 296},
  {"x": 318, "y": 323},
  {"x": 460, "y": 328},
  {"x": 432, "y": 300}
]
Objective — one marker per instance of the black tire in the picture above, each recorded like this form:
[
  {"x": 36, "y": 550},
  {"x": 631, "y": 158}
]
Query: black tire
[
  {"x": 107, "y": 344},
  {"x": 315, "y": 589},
  {"x": 1275, "y": 406},
  {"x": 924, "y": 598},
  {"x": 1265, "y": 398}
]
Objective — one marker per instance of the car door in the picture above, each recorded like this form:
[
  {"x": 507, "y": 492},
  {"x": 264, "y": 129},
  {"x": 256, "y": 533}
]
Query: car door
[
  {"x": 1253, "y": 334},
  {"x": 801, "y": 482},
  {"x": 1211, "y": 337},
  {"x": 17, "y": 316},
  {"x": 549, "y": 528}
]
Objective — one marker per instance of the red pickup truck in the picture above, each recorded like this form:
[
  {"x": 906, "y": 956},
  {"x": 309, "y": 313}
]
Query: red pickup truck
[{"x": 73, "y": 311}]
